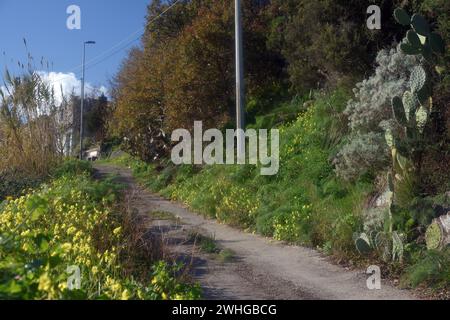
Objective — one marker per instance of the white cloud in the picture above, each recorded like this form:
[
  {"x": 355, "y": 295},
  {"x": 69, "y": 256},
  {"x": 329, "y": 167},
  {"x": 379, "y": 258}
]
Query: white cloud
[{"x": 69, "y": 84}]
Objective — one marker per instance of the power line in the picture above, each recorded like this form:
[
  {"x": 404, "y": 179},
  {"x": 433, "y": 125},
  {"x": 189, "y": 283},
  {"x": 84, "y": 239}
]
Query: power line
[{"x": 92, "y": 62}]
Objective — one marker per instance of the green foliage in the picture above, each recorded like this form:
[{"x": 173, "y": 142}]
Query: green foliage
[
  {"x": 206, "y": 244},
  {"x": 412, "y": 113},
  {"x": 431, "y": 268},
  {"x": 327, "y": 41},
  {"x": 363, "y": 244},
  {"x": 14, "y": 183},
  {"x": 419, "y": 40},
  {"x": 185, "y": 73},
  {"x": 72, "y": 167},
  {"x": 405, "y": 138},
  {"x": 433, "y": 236}
]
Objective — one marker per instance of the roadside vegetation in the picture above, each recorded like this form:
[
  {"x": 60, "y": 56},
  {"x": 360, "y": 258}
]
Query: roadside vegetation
[
  {"x": 64, "y": 235},
  {"x": 73, "y": 221},
  {"x": 363, "y": 117},
  {"x": 364, "y": 124}
]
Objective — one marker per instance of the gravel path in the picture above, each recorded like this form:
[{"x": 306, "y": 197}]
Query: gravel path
[{"x": 260, "y": 269}]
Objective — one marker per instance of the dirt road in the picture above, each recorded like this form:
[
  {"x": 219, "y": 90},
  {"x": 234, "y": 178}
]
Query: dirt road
[{"x": 260, "y": 268}]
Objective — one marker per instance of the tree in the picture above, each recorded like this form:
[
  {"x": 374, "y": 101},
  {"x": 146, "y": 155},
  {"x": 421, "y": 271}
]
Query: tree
[{"x": 184, "y": 72}]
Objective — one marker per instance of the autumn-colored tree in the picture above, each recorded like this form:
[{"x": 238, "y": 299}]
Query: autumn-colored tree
[
  {"x": 200, "y": 85},
  {"x": 184, "y": 71}
]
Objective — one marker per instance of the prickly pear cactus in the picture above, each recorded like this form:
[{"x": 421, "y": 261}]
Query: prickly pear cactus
[
  {"x": 412, "y": 111},
  {"x": 433, "y": 236},
  {"x": 420, "y": 39},
  {"x": 438, "y": 233},
  {"x": 418, "y": 79},
  {"x": 363, "y": 244}
]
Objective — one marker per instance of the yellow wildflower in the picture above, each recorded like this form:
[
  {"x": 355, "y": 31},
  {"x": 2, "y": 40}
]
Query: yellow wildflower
[
  {"x": 44, "y": 282},
  {"x": 125, "y": 295},
  {"x": 117, "y": 231}
]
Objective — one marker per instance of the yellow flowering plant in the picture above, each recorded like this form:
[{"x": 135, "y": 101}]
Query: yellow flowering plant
[{"x": 73, "y": 221}]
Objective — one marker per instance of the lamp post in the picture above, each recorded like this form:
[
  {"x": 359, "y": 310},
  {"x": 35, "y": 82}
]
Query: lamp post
[
  {"x": 82, "y": 96},
  {"x": 240, "y": 94}
]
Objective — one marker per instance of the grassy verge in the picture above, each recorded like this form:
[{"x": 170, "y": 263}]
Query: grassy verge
[{"x": 72, "y": 224}]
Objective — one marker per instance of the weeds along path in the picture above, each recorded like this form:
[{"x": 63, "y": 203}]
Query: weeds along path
[{"x": 241, "y": 265}]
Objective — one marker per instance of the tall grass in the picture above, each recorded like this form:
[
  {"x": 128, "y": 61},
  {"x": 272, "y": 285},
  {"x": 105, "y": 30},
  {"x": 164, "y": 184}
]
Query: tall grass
[{"x": 32, "y": 124}]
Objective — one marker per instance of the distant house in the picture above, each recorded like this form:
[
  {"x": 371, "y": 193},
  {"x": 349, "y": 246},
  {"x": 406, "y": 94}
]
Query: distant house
[
  {"x": 69, "y": 120},
  {"x": 92, "y": 154}
]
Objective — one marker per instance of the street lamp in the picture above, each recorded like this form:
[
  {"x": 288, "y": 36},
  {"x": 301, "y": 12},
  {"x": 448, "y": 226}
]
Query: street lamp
[{"x": 82, "y": 97}]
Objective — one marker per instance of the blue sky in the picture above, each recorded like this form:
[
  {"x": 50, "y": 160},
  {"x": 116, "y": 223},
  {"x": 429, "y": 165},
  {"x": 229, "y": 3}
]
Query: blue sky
[{"x": 43, "y": 24}]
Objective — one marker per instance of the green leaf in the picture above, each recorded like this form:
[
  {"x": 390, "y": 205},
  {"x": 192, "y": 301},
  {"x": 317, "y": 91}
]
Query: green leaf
[
  {"x": 37, "y": 214},
  {"x": 427, "y": 53},
  {"x": 408, "y": 49},
  {"x": 389, "y": 138},
  {"x": 390, "y": 182},
  {"x": 399, "y": 111},
  {"x": 440, "y": 69},
  {"x": 402, "y": 161},
  {"x": 417, "y": 79},
  {"x": 43, "y": 246},
  {"x": 14, "y": 287},
  {"x": 410, "y": 103},
  {"x": 421, "y": 118},
  {"x": 402, "y": 17},
  {"x": 363, "y": 244},
  {"x": 420, "y": 25},
  {"x": 425, "y": 93},
  {"x": 413, "y": 39},
  {"x": 397, "y": 247},
  {"x": 437, "y": 44}
]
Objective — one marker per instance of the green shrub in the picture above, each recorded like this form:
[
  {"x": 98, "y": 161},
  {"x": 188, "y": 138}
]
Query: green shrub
[
  {"x": 14, "y": 183},
  {"x": 72, "y": 167},
  {"x": 327, "y": 41},
  {"x": 431, "y": 268}
]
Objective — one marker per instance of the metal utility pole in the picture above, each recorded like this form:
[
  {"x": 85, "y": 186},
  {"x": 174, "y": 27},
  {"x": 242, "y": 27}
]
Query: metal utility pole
[
  {"x": 82, "y": 96},
  {"x": 240, "y": 94}
]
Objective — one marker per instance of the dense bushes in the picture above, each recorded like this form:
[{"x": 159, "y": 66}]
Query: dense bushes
[
  {"x": 13, "y": 183},
  {"x": 184, "y": 70},
  {"x": 431, "y": 269},
  {"x": 73, "y": 221},
  {"x": 327, "y": 41}
]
